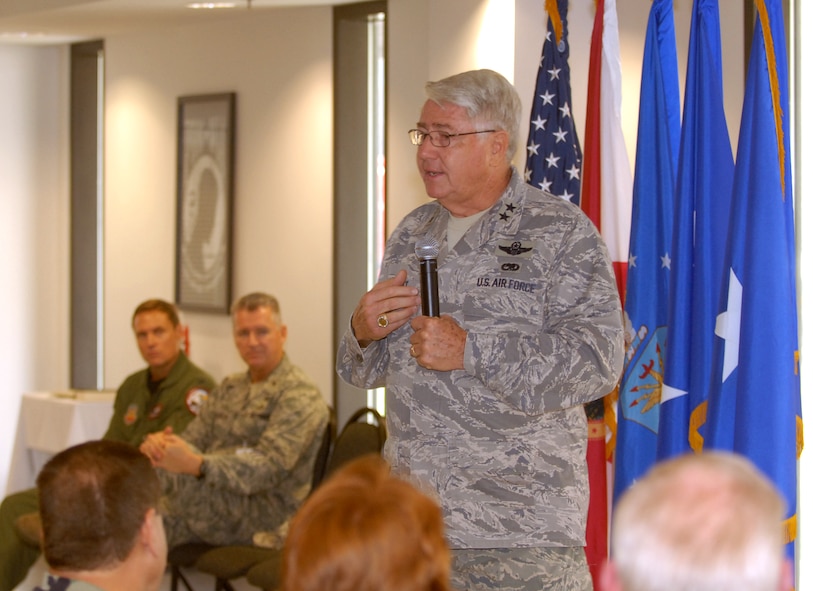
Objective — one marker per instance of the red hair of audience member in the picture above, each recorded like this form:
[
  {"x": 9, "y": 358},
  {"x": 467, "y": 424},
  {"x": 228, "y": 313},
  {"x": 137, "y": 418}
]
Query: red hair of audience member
[{"x": 364, "y": 529}]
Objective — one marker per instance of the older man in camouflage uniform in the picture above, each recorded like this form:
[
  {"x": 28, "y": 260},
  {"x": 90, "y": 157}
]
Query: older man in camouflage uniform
[
  {"x": 485, "y": 403},
  {"x": 246, "y": 462}
]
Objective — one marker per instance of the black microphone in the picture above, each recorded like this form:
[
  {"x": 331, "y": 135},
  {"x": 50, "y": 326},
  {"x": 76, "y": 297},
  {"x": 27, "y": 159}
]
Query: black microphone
[{"x": 427, "y": 249}]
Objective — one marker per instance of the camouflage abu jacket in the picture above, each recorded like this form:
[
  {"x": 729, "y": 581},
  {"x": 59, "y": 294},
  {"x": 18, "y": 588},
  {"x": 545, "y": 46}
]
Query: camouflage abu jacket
[
  {"x": 503, "y": 442},
  {"x": 259, "y": 442}
]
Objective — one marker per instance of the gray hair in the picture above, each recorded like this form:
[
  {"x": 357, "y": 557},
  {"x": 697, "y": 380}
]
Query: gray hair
[
  {"x": 255, "y": 300},
  {"x": 488, "y": 98},
  {"x": 703, "y": 522}
]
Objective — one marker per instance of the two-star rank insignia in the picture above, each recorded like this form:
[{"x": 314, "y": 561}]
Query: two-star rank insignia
[{"x": 507, "y": 211}]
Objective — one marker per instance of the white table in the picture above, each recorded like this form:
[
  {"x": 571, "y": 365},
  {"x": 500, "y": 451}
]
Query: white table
[{"x": 50, "y": 422}]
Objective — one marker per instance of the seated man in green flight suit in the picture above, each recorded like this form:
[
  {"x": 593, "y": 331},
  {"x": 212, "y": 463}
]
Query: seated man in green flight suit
[{"x": 168, "y": 393}]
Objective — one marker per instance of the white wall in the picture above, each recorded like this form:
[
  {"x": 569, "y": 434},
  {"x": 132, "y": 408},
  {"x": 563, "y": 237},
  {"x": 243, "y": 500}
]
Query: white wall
[
  {"x": 33, "y": 229},
  {"x": 279, "y": 64}
]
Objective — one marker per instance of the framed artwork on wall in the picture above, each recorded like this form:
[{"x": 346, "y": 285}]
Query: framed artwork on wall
[{"x": 205, "y": 202}]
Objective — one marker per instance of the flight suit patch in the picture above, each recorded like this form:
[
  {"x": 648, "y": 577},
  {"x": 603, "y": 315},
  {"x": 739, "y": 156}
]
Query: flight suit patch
[
  {"x": 195, "y": 399},
  {"x": 131, "y": 416},
  {"x": 156, "y": 411}
]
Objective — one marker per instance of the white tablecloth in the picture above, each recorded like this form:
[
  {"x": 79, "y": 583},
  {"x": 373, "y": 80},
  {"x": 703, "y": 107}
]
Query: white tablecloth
[{"x": 50, "y": 422}]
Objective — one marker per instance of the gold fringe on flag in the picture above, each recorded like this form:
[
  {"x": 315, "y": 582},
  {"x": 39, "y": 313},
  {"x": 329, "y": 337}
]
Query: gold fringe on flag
[
  {"x": 552, "y": 8},
  {"x": 611, "y": 423},
  {"x": 800, "y": 437},
  {"x": 770, "y": 54},
  {"x": 790, "y": 526},
  {"x": 697, "y": 420}
]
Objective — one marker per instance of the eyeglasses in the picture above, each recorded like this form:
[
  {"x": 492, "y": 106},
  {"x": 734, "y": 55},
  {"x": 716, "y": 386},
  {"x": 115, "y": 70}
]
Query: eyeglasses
[{"x": 439, "y": 139}]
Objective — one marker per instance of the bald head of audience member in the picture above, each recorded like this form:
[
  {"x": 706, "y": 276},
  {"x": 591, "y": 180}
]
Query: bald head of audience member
[
  {"x": 100, "y": 521},
  {"x": 366, "y": 530},
  {"x": 699, "y": 522}
]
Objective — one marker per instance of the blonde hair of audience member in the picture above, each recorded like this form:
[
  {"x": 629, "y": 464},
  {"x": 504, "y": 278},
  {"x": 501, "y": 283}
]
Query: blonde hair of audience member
[
  {"x": 100, "y": 521},
  {"x": 699, "y": 523},
  {"x": 366, "y": 530}
]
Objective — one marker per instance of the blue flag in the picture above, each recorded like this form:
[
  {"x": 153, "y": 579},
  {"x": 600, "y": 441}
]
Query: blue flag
[
  {"x": 702, "y": 203},
  {"x": 754, "y": 405},
  {"x": 554, "y": 158},
  {"x": 639, "y": 393}
]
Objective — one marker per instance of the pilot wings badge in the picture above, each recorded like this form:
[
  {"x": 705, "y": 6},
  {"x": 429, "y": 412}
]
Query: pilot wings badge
[{"x": 516, "y": 248}]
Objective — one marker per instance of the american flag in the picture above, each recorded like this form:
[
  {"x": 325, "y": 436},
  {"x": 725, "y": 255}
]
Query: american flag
[{"x": 554, "y": 156}]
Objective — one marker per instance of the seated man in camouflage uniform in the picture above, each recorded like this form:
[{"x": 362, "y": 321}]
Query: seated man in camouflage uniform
[
  {"x": 246, "y": 462},
  {"x": 168, "y": 393}
]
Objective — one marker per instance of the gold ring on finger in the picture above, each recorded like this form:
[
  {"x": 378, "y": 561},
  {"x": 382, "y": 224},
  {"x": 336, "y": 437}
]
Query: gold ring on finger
[{"x": 382, "y": 321}]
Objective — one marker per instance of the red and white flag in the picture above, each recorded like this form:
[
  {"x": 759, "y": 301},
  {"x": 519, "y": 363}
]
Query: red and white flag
[{"x": 607, "y": 200}]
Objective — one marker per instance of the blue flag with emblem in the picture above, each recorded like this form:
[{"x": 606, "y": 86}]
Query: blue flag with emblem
[
  {"x": 702, "y": 203},
  {"x": 554, "y": 156},
  {"x": 650, "y": 243},
  {"x": 754, "y": 405}
]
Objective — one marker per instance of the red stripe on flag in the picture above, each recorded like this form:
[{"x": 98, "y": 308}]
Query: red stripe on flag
[
  {"x": 591, "y": 176},
  {"x": 597, "y": 512},
  {"x": 621, "y": 279}
]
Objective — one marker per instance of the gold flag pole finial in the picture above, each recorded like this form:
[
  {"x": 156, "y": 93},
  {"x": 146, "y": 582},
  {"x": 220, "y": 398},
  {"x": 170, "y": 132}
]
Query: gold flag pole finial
[{"x": 552, "y": 8}]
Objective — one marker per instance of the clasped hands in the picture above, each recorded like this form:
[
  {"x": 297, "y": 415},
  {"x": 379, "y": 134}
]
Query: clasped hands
[
  {"x": 171, "y": 453},
  {"x": 436, "y": 343}
]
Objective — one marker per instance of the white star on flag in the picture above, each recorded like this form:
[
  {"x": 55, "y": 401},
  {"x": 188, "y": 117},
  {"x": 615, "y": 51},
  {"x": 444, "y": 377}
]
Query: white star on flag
[
  {"x": 552, "y": 160},
  {"x": 728, "y": 325},
  {"x": 668, "y": 393},
  {"x": 539, "y": 123}
]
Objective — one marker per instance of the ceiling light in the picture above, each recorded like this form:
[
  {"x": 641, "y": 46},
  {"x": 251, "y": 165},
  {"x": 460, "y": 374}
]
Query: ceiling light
[
  {"x": 211, "y": 5},
  {"x": 22, "y": 36}
]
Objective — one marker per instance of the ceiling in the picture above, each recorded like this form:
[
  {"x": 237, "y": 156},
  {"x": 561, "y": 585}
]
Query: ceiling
[{"x": 65, "y": 21}]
